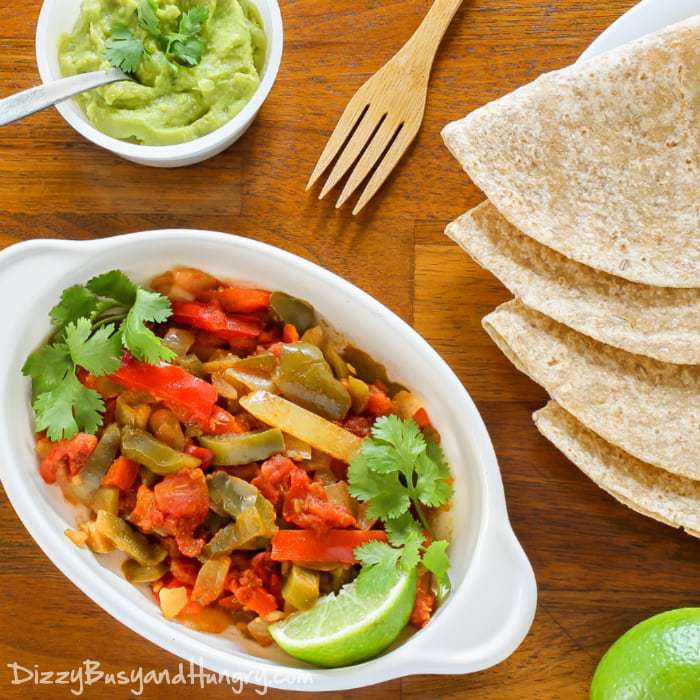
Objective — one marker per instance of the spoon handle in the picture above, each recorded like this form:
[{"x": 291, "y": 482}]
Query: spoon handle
[{"x": 29, "y": 101}]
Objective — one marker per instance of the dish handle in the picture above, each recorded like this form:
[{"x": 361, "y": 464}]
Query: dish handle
[{"x": 490, "y": 616}]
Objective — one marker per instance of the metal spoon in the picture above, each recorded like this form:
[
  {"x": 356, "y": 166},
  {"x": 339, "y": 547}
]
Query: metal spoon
[{"x": 35, "y": 99}]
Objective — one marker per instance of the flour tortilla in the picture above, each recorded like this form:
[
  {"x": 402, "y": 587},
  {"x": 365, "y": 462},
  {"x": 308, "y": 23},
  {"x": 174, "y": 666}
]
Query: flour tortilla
[
  {"x": 653, "y": 492},
  {"x": 649, "y": 409},
  {"x": 658, "y": 322},
  {"x": 601, "y": 160}
]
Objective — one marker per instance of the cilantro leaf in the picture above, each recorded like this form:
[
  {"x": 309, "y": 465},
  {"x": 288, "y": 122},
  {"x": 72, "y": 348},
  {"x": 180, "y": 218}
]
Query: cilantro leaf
[
  {"x": 47, "y": 367},
  {"x": 100, "y": 353},
  {"x": 403, "y": 529},
  {"x": 123, "y": 50},
  {"x": 185, "y": 44},
  {"x": 67, "y": 409},
  {"x": 436, "y": 561},
  {"x": 142, "y": 342},
  {"x": 148, "y": 19},
  {"x": 431, "y": 487},
  {"x": 385, "y": 494},
  {"x": 114, "y": 285},
  {"x": 379, "y": 565},
  {"x": 76, "y": 302}
]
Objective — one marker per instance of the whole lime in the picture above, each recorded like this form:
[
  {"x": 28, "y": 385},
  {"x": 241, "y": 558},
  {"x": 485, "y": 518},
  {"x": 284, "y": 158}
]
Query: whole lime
[{"x": 658, "y": 659}]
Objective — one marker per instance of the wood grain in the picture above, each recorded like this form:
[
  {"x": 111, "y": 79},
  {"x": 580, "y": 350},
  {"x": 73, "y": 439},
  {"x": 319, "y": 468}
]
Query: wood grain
[{"x": 600, "y": 568}]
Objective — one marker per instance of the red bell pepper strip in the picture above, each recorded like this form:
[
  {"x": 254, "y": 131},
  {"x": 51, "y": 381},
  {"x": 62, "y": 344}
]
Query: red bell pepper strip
[
  {"x": 238, "y": 300},
  {"x": 204, "y": 455},
  {"x": 290, "y": 334},
  {"x": 191, "y": 399},
  {"x": 121, "y": 473},
  {"x": 210, "y": 317},
  {"x": 332, "y": 546}
]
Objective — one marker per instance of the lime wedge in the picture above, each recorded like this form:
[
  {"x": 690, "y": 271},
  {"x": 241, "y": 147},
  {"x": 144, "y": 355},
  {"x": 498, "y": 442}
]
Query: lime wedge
[
  {"x": 353, "y": 625},
  {"x": 658, "y": 659}
]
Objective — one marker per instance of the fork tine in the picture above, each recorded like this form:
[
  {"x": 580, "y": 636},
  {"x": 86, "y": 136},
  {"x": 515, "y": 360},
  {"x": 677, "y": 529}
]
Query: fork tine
[
  {"x": 363, "y": 133},
  {"x": 393, "y": 156},
  {"x": 374, "y": 150},
  {"x": 354, "y": 111}
]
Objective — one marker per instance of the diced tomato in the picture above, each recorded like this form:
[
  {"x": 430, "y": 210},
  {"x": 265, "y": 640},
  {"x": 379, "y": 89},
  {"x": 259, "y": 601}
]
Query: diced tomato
[
  {"x": 122, "y": 473},
  {"x": 251, "y": 594},
  {"x": 71, "y": 454},
  {"x": 274, "y": 476},
  {"x": 204, "y": 455},
  {"x": 146, "y": 514},
  {"x": 237, "y": 300},
  {"x": 183, "y": 495},
  {"x": 268, "y": 337},
  {"x": 378, "y": 404},
  {"x": 230, "y": 603},
  {"x": 425, "y": 602},
  {"x": 332, "y": 546},
  {"x": 306, "y": 505},
  {"x": 221, "y": 422},
  {"x": 184, "y": 570},
  {"x": 290, "y": 334},
  {"x": 210, "y": 317},
  {"x": 421, "y": 417},
  {"x": 191, "y": 399},
  {"x": 357, "y": 425}
]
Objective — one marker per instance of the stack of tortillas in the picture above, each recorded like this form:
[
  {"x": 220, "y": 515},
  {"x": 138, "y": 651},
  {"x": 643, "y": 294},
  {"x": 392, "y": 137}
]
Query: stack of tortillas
[{"x": 593, "y": 223}]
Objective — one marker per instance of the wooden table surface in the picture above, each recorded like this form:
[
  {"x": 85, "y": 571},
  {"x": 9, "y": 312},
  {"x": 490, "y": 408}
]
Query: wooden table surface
[{"x": 600, "y": 568}]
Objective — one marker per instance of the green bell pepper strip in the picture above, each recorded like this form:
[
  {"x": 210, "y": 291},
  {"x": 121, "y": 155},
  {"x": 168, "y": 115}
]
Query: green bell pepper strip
[
  {"x": 301, "y": 589},
  {"x": 143, "y": 448},
  {"x": 232, "y": 449},
  {"x": 106, "y": 498},
  {"x": 229, "y": 495},
  {"x": 87, "y": 481},
  {"x": 140, "y": 573},
  {"x": 128, "y": 540},
  {"x": 369, "y": 370},
  {"x": 304, "y": 377},
  {"x": 289, "y": 309}
]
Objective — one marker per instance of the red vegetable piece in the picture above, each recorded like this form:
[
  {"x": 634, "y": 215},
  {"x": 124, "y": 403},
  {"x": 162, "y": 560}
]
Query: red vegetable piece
[
  {"x": 332, "y": 546},
  {"x": 73, "y": 454},
  {"x": 122, "y": 473},
  {"x": 243, "y": 301},
  {"x": 210, "y": 317}
]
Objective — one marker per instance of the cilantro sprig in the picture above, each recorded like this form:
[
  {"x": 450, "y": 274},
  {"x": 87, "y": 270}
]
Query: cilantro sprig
[
  {"x": 398, "y": 472},
  {"x": 92, "y": 323},
  {"x": 185, "y": 46}
]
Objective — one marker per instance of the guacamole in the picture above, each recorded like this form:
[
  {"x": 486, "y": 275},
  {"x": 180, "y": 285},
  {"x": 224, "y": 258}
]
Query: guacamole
[{"x": 168, "y": 103}]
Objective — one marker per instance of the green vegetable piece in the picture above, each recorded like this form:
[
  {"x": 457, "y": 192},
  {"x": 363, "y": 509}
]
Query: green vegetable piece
[
  {"x": 161, "y": 459},
  {"x": 250, "y": 525},
  {"x": 301, "y": 589},
  {"x": 106, "y": 498},
  {"x": 128, "y": 540},
  {"x": 223, "y": 542},
  {"x": 289, "y": 309},
  {"x": 190, "y": 363},
  {"x": 369, "y": 370},
  {"x": 87, "y": 481},
  {"x": 315, "y": 336},
  {"x": 230, "y": 495},
  {"x": 359, "y": 394},
  {"x": 140, "y": 573},
  {"x": 234, "y": 449},
  {"x": 215, "y": 522},
  {"x": 304, "y": 377},
  {"x": 254, "y": 372},
  {"x": 337, "y": 363}
]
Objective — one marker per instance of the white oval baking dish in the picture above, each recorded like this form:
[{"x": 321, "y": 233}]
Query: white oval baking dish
[{"x": 493, "y": 600}]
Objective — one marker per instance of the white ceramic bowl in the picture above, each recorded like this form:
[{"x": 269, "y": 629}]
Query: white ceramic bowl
[
  {"x": 493, "y": 600},
  {"x": 58, "y": 17}
]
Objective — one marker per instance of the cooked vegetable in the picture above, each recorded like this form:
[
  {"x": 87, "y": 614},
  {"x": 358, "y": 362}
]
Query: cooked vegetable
[
  {"x": 297, "y": 449},
  {"x": 166, "y": 427},
  {"x": 230, "y": 495},
  {"x": 243, "y": 448},
  {"x": 86, "y": 482},
  {"x": 122, "y": 473},
  {"x": 179, "y": 341},
  {"x": 302, "y": 424},
  {"x": 133, "y": 409},
  {"x": 106, "y": 498},
  {"x": 255, "y": 523},
  {"x": 211, "y": 318},
  {"x": 191, "y": 399},
  {"x": 73, "y": 454},
  {"x": 332, "y": 546},
  {"x": 304, "y": 377},
  {"x": 301, "y": 589},
  {"x": 368, "y": 369},
  {"x": 239, "y": 300},
  {"x": 210, "y": 580},
  {"x": 173, "y": 601},
  {"x": 359, "y": 394},
  {"x": 143, "y": 448},
  {"x": 138, "y": 573},
  {"x": 336, "y": 362},
  {"x": 289, "y": 309},
  {"x": 128, "y": 540}
]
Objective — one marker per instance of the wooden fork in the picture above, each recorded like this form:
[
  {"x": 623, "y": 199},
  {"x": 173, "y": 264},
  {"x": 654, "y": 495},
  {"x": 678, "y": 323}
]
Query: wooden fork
[{"x": 385, "y": 114}]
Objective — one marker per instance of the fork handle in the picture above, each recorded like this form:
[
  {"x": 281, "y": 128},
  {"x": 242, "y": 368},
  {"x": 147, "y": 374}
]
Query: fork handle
[{"x": 425, "y": 41}]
